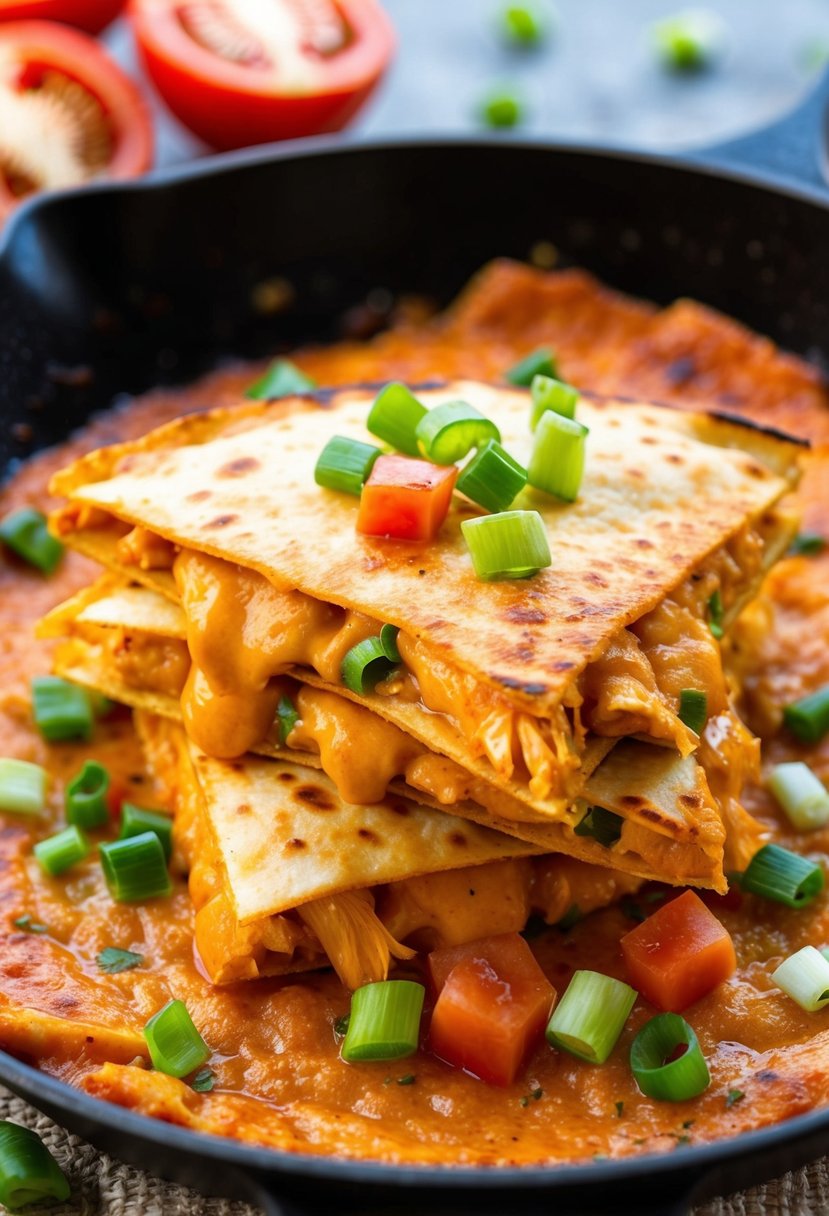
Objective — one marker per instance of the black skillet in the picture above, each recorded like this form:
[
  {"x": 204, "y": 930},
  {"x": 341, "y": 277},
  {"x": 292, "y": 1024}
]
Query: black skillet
[{"x": 117, "y": 288}]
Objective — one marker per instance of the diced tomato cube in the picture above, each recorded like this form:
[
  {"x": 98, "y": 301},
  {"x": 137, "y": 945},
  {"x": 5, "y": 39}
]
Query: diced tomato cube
[
  {"x": 493, "y": 1005},
  {"x": 405, "y": 499},
  {"x": 679, "y": 954}
]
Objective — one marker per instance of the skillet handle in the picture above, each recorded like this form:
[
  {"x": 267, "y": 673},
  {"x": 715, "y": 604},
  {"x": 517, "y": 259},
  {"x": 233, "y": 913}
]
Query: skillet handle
[{"x": 793, "y": 149}]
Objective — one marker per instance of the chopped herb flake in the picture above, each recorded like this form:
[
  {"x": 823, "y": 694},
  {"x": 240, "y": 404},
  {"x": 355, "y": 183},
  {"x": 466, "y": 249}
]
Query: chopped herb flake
[
  {"x": 203, "y": 1081},
  {"x": 715, "y": 614},
  {"x": 807, "y": 544},
  {"x": 620, "y": 1109},
  {"x": 537, "y": 1093},
  {"x": 525, "y": 1100},
  {"x": 631, "y": 909},
  {"x": 26, "y": 923},
  {"x": 409, "y": 1079},
  {"x": 682, "y": 1140},
  {"x": 341, "y": 1025},
  {"x": 733, "y": 1097},
  {"x": 112, "y": 960}
]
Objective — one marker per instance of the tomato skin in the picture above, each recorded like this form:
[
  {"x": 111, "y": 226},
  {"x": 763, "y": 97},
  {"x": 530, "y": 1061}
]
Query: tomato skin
[
  {"x": 90, "y": 15},
  {"x": 49, "y": 45},
  {"x": 679, "y": 954},
  {"x": 230, "y": 105},
  {"x": 493, "y": 1005},
  {"x": 406, "y": 499}
]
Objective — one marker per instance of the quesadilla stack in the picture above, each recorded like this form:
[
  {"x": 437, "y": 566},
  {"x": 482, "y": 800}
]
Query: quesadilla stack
[{"x": 546, "y": 711}]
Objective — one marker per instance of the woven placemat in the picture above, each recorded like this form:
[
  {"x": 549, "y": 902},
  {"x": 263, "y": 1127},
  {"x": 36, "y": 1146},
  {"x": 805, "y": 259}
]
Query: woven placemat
[{"x": 102, "y": 1186}]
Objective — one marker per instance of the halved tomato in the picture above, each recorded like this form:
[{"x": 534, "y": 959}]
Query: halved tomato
[
  {"x": 242, "y": 72},
  {"x": 91, "y": 15},
  {"x": 68, "y": 114}
]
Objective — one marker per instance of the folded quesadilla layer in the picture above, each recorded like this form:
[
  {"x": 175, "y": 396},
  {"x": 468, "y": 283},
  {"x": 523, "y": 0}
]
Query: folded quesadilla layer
[
  {"x": 654, "y": 791},
  {"x": 278, "y": 886}
]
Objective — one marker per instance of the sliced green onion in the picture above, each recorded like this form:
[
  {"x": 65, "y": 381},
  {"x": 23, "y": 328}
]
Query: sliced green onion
[
  {"x": 715, "y": 614},
  {"x": 784, "y": 877},
  {"x": 502, "y": 109},
  {"x": 801, "y": 794},
  {"x": 176, "y": 1047},
  {"x": 86, "y": 796},
  {"x": 61, "y": 710},
  {"x": 60, "y": 852},
  {"x": 287, "y": 717},
  {"x": 394, "y": 418},
  {"x": 589, "y": 1017},
  {"x": 28, "y": 1171},
  {"x": 450, "y": 431},
  {"x": 112, "y": 960},
  {"x": 26, "y": 534},
  {"x": 512, "y": 544},
  {"x": 204, "y": 1081},
  {"x": 804, "y": 976},
  {"x": 604, "y": 826},
  {"x": 384, "y": 1022},
  {"x": 365, "y": 665},
  {"x": 549, "y": 394},
  {"x": 388, "y": 640},
  {"x": 807, "y": 544},
  {"x": 693, "y": 709},
  {"x": 345, "y": 464},
  {"x": 137, "y": 819},
  {"x": 135, "y": 869},
  {"x": 523, "y": 25},
  {"x": 22, "y": 787},
  {"x": 690, "y": 40},
  {"x": 540, "y": 362},
  {"x": 557, "y": 462},
  {"x": 492, "y": 478},
  {"x": 282, "y": 379},
  {"x": 808, "y": 719},
  {"x": 659, "y": 1070}
]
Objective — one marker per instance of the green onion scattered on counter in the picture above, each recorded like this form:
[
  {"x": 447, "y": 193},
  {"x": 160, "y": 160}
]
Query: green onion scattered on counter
[
  {"x": 62, "y": 851},
  {"x": 550, "y": 394},
  {"x": 603, "y": 826},
  {"x": 138, "y": 819},
  {"x": 512, "y": 544},
  {"x": 22, "y": 787},
  {"x": 801, "y": 794},
  {"x": 690, "y": 40},
  {"x": 540, "y": 362},
  {"x": 450, "y": 431},
  {"x": 782, "y": 876},
  {"x": 394, "y": 418},
  {"x": 61, "y": 710},
  {"x": 176, "y": 1047},
  {"x": 282, "y": 379},
  {"x": 808, "y": 718},
  {"x": 345, "y": 464},
  {"x": 26, "y": 534},
  {"x": 667, "y": 1061},
  {"x": 715, "y": 614},
  {"x": 501, "y": 110},
  {"x": 86, "y": 796},
  {"x": 524, "y": 25},
  {"x": 385, "y": 1021},
  {"x": 492, "y": 478},
  {"x": 135, "y": 869},
  {"x": 557, "y": 462},
  {"x": 28, "y": 1171},
  {"x": 807, "y": 544},
  {"x": 287, "y": 717},
  {"x": 589, "y": 1017},
  {"x": 693, "y": 709},
  {"x": 365, "y": 665},
  {"x": 804, "y": 976}
]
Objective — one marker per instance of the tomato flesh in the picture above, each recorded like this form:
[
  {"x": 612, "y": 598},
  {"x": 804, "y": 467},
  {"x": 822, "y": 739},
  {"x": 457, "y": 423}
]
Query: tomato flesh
[
  {"x": 406, "y": 499},
  {"x": 236, "y": 75},
  {"x": 493, "y": 1005},
  {"x": 89, "y": 15},
  {"x": 679, "y": 954}
]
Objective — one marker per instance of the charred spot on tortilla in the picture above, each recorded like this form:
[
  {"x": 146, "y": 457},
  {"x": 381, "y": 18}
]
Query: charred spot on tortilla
[
  {"x": 315, "y": 796},
  {"x": 199, "y": 496},
  {"x": 239, "y": 467},
  {"x": 367, "y": 835},
  {"x": 243, "y": 809},
  {"x": 221, "y": 521},
  {"x": 522, "y": 614},
  {"x": 458, "y": 838},
  {"x": 287, "y": 777},
  {"x": 295, "y": 843}
]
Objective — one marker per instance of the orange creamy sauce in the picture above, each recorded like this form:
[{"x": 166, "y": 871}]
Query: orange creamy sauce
[{"x": 279, "y": 1078}]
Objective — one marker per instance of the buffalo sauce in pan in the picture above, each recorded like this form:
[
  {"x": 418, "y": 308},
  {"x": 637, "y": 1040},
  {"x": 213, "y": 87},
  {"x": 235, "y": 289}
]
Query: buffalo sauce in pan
[{"x": 277, "y": 1075}]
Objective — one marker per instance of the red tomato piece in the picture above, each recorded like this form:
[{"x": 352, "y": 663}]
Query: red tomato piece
[
  {"x": 89, "y": 15},
  {"x": 493, "y": 1005},
  {"x": 679, "y": 954},
  {"x": 238, "y": 76},
  {"x": 406, "y": 499},
  {"x": 71, "y": 115}
]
